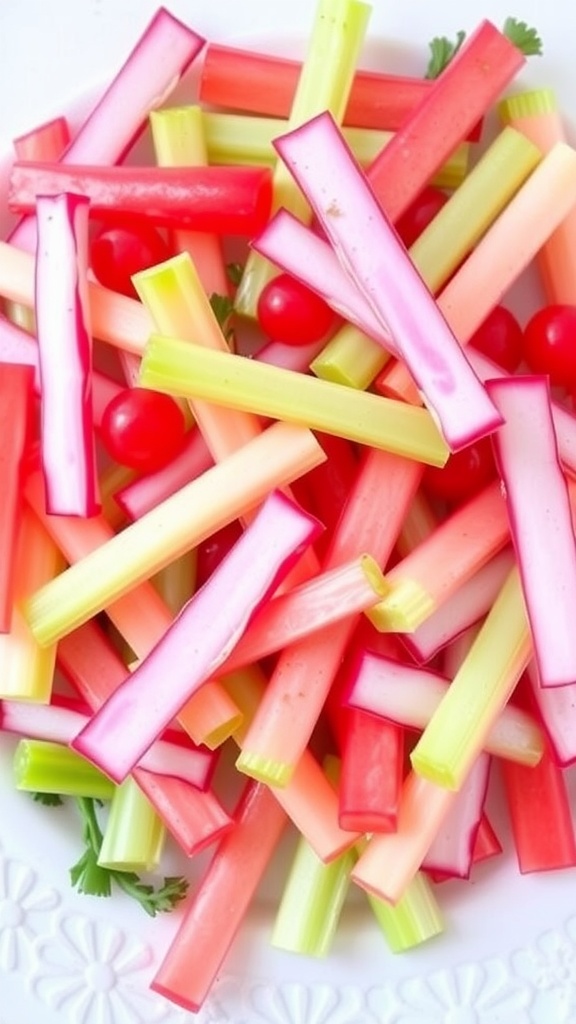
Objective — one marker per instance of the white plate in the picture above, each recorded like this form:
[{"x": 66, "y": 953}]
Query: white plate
[{"x": 508, "y": 954}]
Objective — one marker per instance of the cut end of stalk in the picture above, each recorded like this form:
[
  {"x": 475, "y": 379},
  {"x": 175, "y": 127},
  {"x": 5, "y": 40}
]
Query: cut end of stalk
[
  {"x": 375, "y": 576},
  {"x": 263, "y": 769},
  {"x": 351, "y": 358},
  {"x": 528, "y": 104},
  {"x": 220, "y": 734},
  {"x": 434, "y": 770},
  {"x": 20, "y": 763},
  {"x": 405, "y": 608},
  {"x": 415, "y": 919}
]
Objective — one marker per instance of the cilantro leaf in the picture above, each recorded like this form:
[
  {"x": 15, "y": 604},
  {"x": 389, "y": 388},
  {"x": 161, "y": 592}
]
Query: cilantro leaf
[
  {"x": 442, "y": 50},
  {"x": 222, "y": 307},
  {"x": 525, "y": 38},
  {"x": 89, "y": 877}
]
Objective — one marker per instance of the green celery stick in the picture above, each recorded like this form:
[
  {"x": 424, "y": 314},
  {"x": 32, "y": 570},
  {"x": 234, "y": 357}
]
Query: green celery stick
[
  {"x": 457, "y": 730},
  {"x": 413, "y": 920},
  {"x": 182, "y": 368},
  {"x": 324, "y": 84},
  {"x": 350, "y": 358},
  {"x": 44, "y": 767},
  {"x": 134, "y": 835}
]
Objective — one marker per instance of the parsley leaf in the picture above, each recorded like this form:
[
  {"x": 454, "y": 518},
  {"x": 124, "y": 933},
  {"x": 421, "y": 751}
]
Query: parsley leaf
[
  {"x": 525, "y": 38},
  {"x": 222, "y": 307},
  {"x": 442, "y": 50},
  {"x": 89, "y": 877},
  {"x": 234, "y": 273}
]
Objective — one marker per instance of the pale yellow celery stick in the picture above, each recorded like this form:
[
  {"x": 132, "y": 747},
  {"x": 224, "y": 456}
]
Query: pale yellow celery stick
[
  {"x": 243, "y": 139},
  {"x": 537, "y": 116},
  {"x": 178, "y": 367},
  {"x": 177, "y": 302},
  {"x": 141, "y": 616},
  {"x": 26, "y": 668},
  {"x": 309, "y": 799},
  {"x": 116, "y": 319},
  {"x": 324, "y": 84},
  {"x": 391, "y": 860},
  {"x": 179, "y": 141},
  {"x": 486, "y": 679},
  {"x": 134, "y": 834},
  {"x": 451, "y": 235},
  {"x": 350, "y": 358},
  {"x": 223, "y": 493}
]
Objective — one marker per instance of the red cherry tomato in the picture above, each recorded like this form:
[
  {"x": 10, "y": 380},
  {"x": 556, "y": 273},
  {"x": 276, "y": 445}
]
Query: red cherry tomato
[
  {"x": 550, "y": 344},
  {"x": 500, "y": 338},
  {"x": 143, "y": 429},
  {"x": 465, "y": 473},
  {"x": 419, "y": 214},
  {"x": 291, "y": 313},
  {"x": 118, "y": 252}
]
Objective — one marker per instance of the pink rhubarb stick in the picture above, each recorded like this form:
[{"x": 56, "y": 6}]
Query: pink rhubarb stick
[
  {"x": 540, "y": 521},
  {"x": 200, "y": 638},
  {"x": 65, "y": 356},
  {"x": 337, "y": 189}
]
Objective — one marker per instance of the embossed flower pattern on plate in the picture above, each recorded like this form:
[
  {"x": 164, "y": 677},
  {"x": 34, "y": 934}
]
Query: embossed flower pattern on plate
[{"x": 26, "y": 907}]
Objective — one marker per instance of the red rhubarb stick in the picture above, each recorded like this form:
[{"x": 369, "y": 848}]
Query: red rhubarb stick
[
  {"x": 371, "y": 773},
  {"x": 65, "y": 356},
  {"x": 46, "y": 142},
  {"x": 223, "y": 200},
  {"x": 15, "y": 418},
  {"x": 217, "y": 908},
  {"x": 452, "y": 850}
]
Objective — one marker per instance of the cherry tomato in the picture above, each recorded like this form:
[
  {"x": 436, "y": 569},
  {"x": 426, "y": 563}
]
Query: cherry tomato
[
  {"x": 500, "y": 338},
  {"x": 465, "y": 473},
  {"x": 419, "y": 214},
  {"x": 291, "y": 313},
  {"x": 143, "y": 429},
  {"x": 550, "y": 344},
  {"x": 118, "y": 252}
]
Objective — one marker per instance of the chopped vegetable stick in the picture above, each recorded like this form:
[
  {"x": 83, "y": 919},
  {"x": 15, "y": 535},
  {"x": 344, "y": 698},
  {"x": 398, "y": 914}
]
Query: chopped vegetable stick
[
  {"x": 153, "y": 68},
  {"x": 311, "y": 902},
  {"x": 460, "y": 97},
  {"x": 414, "y": 919},
  {"x": 143, "y": 493},
  {"x": 556, "y": 706},
  {"x": 466, "y": 606},
  {"x": 178, "y": 367},
  {"x": 221, "y": 494},
  {"x": 410, "y": 696},
  {"x": 421, "y": 520},
  {"x": 325, "y": 599},
  {"x": 199, "y": 639},
  {"x": 265, "y": 85},
  {"x": 239, "y": 139},
  {"x": 61, "y": 722},
  {"x": 391, "y": 860},
  {"x": 215, "y": 912},
  {"x": 371, "y": 775},
  {"x": 540, "y": 814},
  {"x": 538, "y": 507},
  {"x": 351, "y": 357},
  {"x": 327, "y": 487},
  {"x": 134, "y": 834},
  {"x": 43, "y": 767},
  {"x": 175, "y": 582},
  {"x": 304, "y": 672},
  {"x": 225, "y": 200},
  {"x": 537, "y": 116},
  {"x": 487, "y": 843},
  {"x": 423, "y": 580},
  {"x": 26, "y": 669},
  {"x": 64, "y": 340},
  {"x": 46, "y": 142},
  {"x": 194, "y": 817},
  {"x": 341, "y": 198},
  {"x": 458, "y": 728},
  {"x": 113, "y": 478},
  {"x": 179, "y": 139},
  {"x": 452, "y": 849},
  {"x": 15, "y": 415},
  {"x": 324, "y": 83}
]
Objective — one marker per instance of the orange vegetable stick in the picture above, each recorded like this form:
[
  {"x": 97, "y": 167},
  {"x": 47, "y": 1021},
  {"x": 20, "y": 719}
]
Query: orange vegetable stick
[{"x": 16, "y": 383}]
